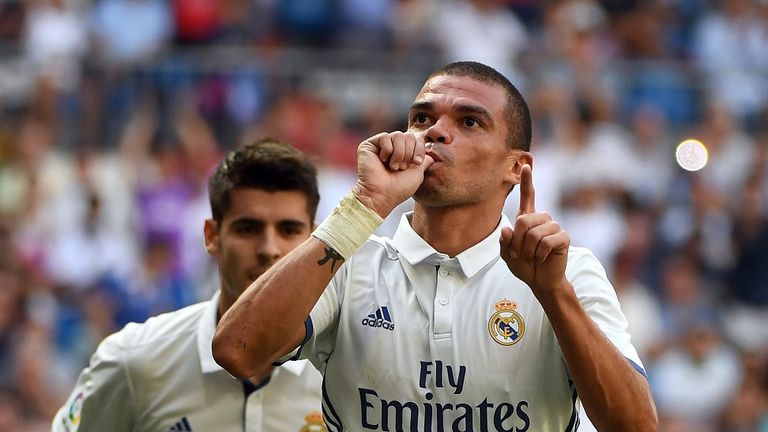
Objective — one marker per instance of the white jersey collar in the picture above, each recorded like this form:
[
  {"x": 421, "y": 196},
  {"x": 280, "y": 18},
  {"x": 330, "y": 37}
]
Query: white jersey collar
[
  {"x": 206, "y": 328},
  {"x": 415, "y": 250}
]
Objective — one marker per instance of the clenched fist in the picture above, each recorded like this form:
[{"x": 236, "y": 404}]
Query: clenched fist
[{"x": 390, "y": 167}]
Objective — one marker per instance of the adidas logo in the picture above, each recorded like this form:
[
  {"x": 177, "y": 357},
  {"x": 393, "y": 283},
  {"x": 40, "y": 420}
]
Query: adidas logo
[
  {"x": 380, "y": 318},
  {"x": 181, "y": 425}
]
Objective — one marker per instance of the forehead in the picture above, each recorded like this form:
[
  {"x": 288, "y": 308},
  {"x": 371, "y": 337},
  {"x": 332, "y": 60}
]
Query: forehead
[
  {"x": 463, "y": 90},
  {"x": 267, "y": 205}
]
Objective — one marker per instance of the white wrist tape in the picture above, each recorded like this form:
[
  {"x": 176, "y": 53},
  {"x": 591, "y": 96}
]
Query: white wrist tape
[{"x": 348, "y": 226}]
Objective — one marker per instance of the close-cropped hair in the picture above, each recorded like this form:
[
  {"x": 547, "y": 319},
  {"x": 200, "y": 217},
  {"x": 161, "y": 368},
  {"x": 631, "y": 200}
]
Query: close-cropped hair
[
  {"x": 266, "y": 164},
  {"x": 518, "y": 116}
]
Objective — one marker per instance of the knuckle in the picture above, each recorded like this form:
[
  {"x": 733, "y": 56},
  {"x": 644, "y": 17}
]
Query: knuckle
[
  {"x": 522, "y": 221},
  {"x": 542, "y": 252},
  {"x": 536, "y": 234}
]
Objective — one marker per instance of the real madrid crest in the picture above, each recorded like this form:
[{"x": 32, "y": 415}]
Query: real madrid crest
[
  {"x": 314, "y": 423},
  {"x": 506, "y": 325}
]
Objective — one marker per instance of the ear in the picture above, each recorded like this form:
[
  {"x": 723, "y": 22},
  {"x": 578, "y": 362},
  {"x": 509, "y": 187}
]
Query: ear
[
  {"x": 515, "y": 161},
  {"x": 211, "y": 233}
]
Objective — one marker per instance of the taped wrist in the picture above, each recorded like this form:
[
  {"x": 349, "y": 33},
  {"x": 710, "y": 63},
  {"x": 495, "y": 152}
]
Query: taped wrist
[{"x": 348, "y": 226}]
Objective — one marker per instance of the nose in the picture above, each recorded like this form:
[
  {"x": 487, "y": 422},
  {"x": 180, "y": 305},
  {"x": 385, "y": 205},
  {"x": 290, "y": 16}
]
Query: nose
[
  {"x": 438, "y": 133},
  {"x": 269, "y": 248}
]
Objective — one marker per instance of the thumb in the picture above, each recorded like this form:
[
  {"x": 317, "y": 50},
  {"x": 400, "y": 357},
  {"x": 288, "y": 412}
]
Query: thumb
[
  {"x": 427, "y": 162},
  {"x": 505, "y": 241}
]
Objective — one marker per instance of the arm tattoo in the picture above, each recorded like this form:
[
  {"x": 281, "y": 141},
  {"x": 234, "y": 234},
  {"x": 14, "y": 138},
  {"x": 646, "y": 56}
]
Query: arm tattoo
[{"x": 331, "y": 255}]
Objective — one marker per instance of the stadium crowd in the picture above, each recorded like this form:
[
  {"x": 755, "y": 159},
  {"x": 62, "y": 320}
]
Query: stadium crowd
[{"x": 114, "y": 112}]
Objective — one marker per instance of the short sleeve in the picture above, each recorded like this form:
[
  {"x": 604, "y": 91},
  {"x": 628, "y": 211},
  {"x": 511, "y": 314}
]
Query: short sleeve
[
  {"x": 598, "y": 298},
  {"x": 103, "y": 396}
]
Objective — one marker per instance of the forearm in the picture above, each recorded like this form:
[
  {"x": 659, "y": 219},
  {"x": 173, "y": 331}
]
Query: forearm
[
  {"x": 267, "y": 320},
  {"x": 614, "y": 394}
]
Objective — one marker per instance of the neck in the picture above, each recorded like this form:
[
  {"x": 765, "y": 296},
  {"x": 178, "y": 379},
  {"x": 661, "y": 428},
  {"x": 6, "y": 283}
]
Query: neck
[
  {"x": 452, "y": 230},
  {"x": 224, "y": 302}
]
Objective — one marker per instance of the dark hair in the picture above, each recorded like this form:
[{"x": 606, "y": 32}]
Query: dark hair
[
  {"x": 517, "y": 113},
  {"x": 266, "y": 164}
]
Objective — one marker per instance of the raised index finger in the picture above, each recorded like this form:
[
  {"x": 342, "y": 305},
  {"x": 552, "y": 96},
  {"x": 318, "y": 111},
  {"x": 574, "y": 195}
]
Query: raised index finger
[{"x": 527, "y": 193}]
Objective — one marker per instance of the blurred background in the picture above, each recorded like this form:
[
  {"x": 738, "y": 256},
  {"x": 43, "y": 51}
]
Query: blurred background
[{"x": 114, "y": 112}]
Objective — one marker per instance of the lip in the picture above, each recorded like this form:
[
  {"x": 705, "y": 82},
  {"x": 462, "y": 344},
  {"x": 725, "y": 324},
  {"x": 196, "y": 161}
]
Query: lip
[{"x": 435, "y": 157}]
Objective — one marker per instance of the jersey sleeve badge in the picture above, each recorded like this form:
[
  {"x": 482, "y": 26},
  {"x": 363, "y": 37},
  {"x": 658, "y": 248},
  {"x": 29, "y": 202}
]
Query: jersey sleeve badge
[
  {"x": 506, "y": 326},
  {"x": 71, "y": 420}
]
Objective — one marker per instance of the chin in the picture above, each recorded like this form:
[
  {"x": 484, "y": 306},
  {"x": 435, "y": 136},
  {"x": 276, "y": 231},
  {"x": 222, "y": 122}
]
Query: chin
[
  {"x": 423, "y": 194},
  {"x": 430, "y": 198}
]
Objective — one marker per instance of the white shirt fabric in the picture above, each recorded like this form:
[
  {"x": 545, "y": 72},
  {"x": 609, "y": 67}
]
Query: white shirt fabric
[
  {"x": 409, "y": 339},
  {"x": 161, "y": 376}
]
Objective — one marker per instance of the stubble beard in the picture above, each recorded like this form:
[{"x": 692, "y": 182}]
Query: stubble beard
[
  {"x": 440, "y": 196},
  {"x": 435, "y": 194}
]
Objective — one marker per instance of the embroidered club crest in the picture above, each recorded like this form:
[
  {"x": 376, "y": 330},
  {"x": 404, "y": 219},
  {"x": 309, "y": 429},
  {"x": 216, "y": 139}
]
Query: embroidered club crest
[
  {"x": 506, "y": 326},
  {"x": 314, "y": 423}
]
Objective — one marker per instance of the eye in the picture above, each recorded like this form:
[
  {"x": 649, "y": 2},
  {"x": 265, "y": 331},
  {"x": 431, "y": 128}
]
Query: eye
[
  {"x": 291, "y": 229},
  {"x": 420, "y": 118},
  {"x": 247, "y": 228},
  {"x": 470, "y": 122},
  {"x": 244, "y": 229}
]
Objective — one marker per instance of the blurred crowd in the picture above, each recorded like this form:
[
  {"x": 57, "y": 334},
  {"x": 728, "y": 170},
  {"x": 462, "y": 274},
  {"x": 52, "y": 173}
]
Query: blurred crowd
[{"x": 114, "y": 112}]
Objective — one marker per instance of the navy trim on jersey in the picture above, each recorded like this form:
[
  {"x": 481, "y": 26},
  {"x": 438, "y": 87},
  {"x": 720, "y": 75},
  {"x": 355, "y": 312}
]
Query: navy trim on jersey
[
  {"x": 638, "y": 368},
  {"x": 331, "y": 418},
  {"x": 249, "y": 387},
  {"x": 309, "y": 330},
  {"x": 573, "y": 423}
]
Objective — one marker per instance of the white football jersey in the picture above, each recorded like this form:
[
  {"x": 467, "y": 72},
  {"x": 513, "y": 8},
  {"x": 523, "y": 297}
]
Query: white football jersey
[
  {"x": 411, "y": 339},
  {"x": 161, "y": 376}
]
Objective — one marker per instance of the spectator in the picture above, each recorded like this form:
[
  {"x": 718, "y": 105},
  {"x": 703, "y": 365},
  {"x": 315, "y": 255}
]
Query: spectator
[
  {"x": 130, "y": 32},
  {"x": 56, "y": 43},
  {"x": 695, "y": 379},
  {"x": 729, "y": 45},
  {"x": 485, "y": 31}
]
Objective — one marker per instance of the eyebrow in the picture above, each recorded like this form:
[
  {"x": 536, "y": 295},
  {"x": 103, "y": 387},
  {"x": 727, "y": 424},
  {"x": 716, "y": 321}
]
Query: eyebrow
[
  {"x": 476, "y": 110},
  {"x": 460, "y": 108},
  {"x": 247, "y": 220},
  {"x": 292, "y": 223},
  {"x": 421, "y": 106}
]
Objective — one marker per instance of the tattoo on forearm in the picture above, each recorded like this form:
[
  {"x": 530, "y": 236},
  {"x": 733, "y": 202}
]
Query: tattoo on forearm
[{"x": 331, "y": 255}]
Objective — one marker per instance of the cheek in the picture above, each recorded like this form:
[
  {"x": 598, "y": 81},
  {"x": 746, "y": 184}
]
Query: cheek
[
  {"x": 468, "y": 169},
  {"x": 233, "y": 255},
  {"x": 488, "y": 164},
  {"x": 229, "y": 264}
]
